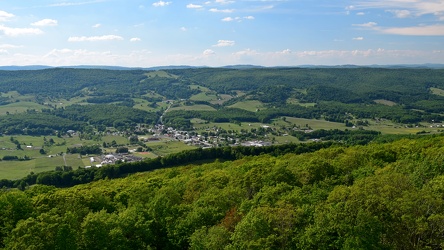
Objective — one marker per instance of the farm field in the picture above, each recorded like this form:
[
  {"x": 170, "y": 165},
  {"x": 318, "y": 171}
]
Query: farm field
[
  {"x": 437, "y": 91},
  {"x": 385, "y": 102},
  {"x": 250, "y": 105},
  {"x": 168, "y": 147},
  {"x": 194, "y": 107},
  {"x": 19, "y": 107},
  {"x": 31, "y": 146},
  {"x": 312, "y": 123},
  {"x": 204, "y": 96},
  {"x": 17, "y": 169}
]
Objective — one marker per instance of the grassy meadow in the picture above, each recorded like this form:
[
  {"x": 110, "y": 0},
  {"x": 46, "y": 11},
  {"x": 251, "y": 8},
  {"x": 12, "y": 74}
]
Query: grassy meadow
[{"x": 250, "y": 105}]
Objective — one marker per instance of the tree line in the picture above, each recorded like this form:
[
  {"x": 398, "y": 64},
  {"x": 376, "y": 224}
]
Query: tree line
[{"x": 86, "y": 175}]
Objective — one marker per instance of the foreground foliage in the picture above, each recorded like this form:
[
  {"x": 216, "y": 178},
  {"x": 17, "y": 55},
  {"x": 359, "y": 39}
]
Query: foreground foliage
[{"x": 379, "y": 196}]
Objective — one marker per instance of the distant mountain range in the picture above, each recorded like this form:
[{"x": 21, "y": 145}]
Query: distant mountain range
[{"x": 395, "y": 66}]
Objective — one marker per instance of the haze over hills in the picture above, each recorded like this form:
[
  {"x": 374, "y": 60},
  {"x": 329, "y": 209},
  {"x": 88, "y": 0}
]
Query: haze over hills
[{"x": 239, "y": 66}]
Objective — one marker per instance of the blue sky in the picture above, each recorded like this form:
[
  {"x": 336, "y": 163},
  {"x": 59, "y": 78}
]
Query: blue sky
[{"x": 221, "y": 32}]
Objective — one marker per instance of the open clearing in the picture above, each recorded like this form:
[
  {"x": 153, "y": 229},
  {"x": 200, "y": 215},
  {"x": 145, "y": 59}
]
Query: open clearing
[
  {"x": 194, "y": 107},
  {"x": 20, "y": 107},
  {"x": 250, "y": 105},
  {"x": 385, "y": 102},
  {"x": 168, "y": 147},
  {"x": 204, "y": 96},
  {"x": 437, "y": 91},
  {"x": 312, "y": 123}
]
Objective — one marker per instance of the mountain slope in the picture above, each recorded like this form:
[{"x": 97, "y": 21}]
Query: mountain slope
[{"x": 375, "y": 196}]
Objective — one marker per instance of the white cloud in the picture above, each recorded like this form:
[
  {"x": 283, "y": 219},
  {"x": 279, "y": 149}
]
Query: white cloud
[
  {"x": 359, "y": 38},
  {"x": 366, "y": 25},
  {"x": 80, "y": 56},
  {"x": 415, "y": 7},
  {"x": 94, "y": 38},
  {"x": 360, "y": 14},
  {"x": 20, "y": 31},
  {"x": 224, "y": 1},
  {"x": 194, "y": 6},
  {"x": 334, "y": 57},
  {"x": 161, "y": 4},
  {"x": 97, "y": 25},
  {"x": 401, "y": 13},
  {"x": 45, "y": 22},
  {"x": 4, "y": 52},
  {"x": 264, "y": 8},
  {"x": 144, "y": 58},
  {"x": 66, "y": 4},
  {"x": 9, "y": 46},
  {"x": 431, "y": 30},
  {"x": 135, "y": 39},
  {"x": 286, "y": 51},
  {"x": 246, "y": 53},
  {"x": 239, "y": 19},
  {"x": 227, "y": 19},
  {"x": 221, "y": 10},
  {"x": 183, "y": 29},
  {"x": 208, "y": 52},
  {"x": 5, "y": 16},
  {"x": 224, "y": 43}
]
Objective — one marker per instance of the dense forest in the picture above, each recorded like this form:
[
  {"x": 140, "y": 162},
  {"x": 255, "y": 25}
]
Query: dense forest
[
  {"x": 74, "y": 117},
  {"x": 378, "y": 196}
]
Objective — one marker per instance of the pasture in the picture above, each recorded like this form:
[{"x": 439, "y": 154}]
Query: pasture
[
  {"x": 250, "y": 105},
  {"x": 198, "y": 107}
]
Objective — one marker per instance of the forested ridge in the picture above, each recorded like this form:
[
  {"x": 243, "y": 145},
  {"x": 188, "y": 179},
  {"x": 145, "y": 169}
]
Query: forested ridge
[
  {"x": 333, "y": 94},
  {"x": 378, "y": 196}
]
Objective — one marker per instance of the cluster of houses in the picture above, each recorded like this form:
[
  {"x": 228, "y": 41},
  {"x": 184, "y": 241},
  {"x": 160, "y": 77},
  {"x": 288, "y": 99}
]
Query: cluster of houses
[
  {"x": 256, "y": 144},
  {"x": 160, "y": 131},
  {"x": 112, "y": 159}
]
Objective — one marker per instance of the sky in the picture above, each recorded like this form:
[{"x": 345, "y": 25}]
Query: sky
[{"x": 142, "y": 33}]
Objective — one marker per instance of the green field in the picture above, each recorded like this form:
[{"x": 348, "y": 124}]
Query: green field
[
  {"x": 17, "y": 169},
  {"x": 19, "y": 107},
  {"x": 221, "y": 99},
  {"x": 296, "y": 101},
  {"x": 195, "y": 107},
  {"x": 31, "y": 146},
  {"x": 204, "y": 96},
  {"x": 201, "y": 88},
  {"x": 385, "y": 102},
  {"x": 388, "y": 127},
  {"x": 44, "y": 162},
  {"x": 168, "y": 147},
  {"x": 437, "y": 91},
  {"x": 250, "y": 105},
  {"x": 312, "y": 123},
  {"x": 160, "y": 73}
]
